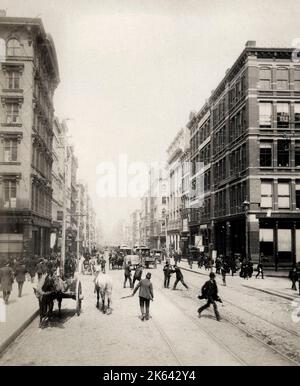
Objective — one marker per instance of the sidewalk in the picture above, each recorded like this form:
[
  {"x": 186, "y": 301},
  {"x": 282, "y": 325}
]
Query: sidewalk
[
  {"x": 277, "y": 286},
  {"x": 19, "y": 313}
]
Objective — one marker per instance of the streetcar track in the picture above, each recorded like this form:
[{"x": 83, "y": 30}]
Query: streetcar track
[
  {"x": 264, "y": 319},
  {"x": 166, "y": 339},
  {"x": 258, "y": 316},
  {"x": 209, "y": 333},
  {"x": 249, "y": 333},
  {"x": 244, "y": 330}
]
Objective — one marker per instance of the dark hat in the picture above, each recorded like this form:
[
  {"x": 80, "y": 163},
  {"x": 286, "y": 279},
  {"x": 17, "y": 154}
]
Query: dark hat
[{"x": 212, "y": 275}]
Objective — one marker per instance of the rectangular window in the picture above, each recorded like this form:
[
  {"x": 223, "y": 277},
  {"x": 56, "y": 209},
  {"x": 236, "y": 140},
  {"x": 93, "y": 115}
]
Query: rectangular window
[
  {"x": 266, "y": 154},
  {"x": 283, "y": 195},
  {"x": 266, "y": 194},
  {"x": 298, "y": 196},
  {"x": 284, "y": 237},
  {"x": 283, "y": 115},
  {"x": 164, "y": 200},
  {"x": 297, "y": 79},
  {"x": 283, "y": 153},
  {"x": 265, "y": 79},
  {"x": 297, "y": 154},
  {"x": 13, "y": 80},
  {"x": 10, "y": 193},
  {"x": 297, "y": 115},
  {"x": 10, "y": 150},
  {"x": 12, "y": 113},
  {"x": 265, "y": 114},
  {"x": 282, "y": 79}
]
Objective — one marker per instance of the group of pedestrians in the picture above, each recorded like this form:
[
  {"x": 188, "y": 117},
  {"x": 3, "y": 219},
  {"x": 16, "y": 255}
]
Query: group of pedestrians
[
  {"x": 168, "y": 271},
  {"x": 10, "y": 273}
]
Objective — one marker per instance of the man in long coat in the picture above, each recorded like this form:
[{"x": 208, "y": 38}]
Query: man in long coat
[
  {"x": 6, "y": 281},
  {"x": 20, "y": 271}
]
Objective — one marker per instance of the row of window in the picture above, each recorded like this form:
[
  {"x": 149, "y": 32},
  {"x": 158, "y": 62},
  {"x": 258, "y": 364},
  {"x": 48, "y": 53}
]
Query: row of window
[
  {"x": 282, "y": 115},
  {"x": 283, "y": 191},
  {"x": 279, "y": 77},
  {"x": 41, "y": 127},
  {"x": 41, "y": 162},
  {"x": 237, "y": 195},
  {"x": 41, "y": 201},
  {"x": 285, "y": 154},
  {"x": 237, "y": 164},
  {"x": 236, "y": 93},
  {"x": 200, "y": 136}
]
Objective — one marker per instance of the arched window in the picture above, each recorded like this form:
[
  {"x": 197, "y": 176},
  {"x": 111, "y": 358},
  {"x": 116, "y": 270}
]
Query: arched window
[{"x": 13, "y": 47}]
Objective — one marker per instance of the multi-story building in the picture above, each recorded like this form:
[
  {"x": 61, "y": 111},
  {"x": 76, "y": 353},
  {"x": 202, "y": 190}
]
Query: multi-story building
[
  {"x": 135, "y": 227},
  {"x": 176, "y": 154},
  {"x": 158, "y": 207},
  {"x": 145, "y": 219},
  {"x": 28, "y": 78},
  {"x": 255, "y": 183},
  {"x": 57, "y": 182},
  {"x": 199, "y": 212}
]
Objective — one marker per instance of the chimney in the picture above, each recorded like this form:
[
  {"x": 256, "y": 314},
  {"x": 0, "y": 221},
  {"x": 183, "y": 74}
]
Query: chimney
[
  {"x": 251, "y": 43},
  {"x": 2, "y": 12}
]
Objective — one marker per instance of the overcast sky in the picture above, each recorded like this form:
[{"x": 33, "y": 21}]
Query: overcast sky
[{"x": 132, "y": 70}]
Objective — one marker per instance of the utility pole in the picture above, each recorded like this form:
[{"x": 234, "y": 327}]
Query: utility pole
[
  {"x": 78, "y": 223},
  {"x": 63, "y": 236}
]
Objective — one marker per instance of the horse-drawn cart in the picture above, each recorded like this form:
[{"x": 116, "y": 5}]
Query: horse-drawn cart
[{"x": 52, "y": 287}]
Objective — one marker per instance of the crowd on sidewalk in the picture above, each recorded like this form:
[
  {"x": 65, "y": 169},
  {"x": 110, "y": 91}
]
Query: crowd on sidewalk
[{"x": 21, "y": 269}]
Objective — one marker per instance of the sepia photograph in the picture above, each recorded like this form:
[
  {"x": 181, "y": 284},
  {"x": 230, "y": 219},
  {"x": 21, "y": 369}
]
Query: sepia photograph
[{"x": 149, "y": 186}]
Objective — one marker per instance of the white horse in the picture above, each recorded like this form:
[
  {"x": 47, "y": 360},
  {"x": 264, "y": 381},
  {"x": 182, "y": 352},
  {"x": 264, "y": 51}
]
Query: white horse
[{"x": 103, "y": 287}]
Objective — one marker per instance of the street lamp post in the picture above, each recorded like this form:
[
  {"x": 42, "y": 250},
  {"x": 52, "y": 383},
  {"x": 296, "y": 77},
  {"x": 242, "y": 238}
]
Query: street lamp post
[{"x": 246, "y": 205}]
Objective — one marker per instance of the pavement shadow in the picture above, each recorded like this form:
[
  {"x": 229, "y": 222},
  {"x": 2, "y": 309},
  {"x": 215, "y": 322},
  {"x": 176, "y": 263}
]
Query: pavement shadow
[{"x": 56, "y": 321}]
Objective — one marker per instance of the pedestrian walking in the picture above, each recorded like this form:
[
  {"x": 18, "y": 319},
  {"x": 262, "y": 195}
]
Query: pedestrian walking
[
  {"x": 167, "y": 274},
  {"x": 179, "y": 278},
  {"x": 218, "y": 264},
  {"x": 31, "y": 267},
  {"x": 137, "y": 274},
  {"x": 209, "y": 291},
  {"x": 20, "y": 275},
  {"x": 232, "y": 266},
  {"x": 224, "y": 270},
  {"x": 260, "y": 270},
  {"x": 127, "y": 274},
  {"x": 6, "y": 281},
  {"x": 293, "y": 276},
  {"x": 145, "y": 295},
  {"x": 41, "y": 268},
  {"x": 190, "y": 261},
  {"x": 103, "y": 263}
]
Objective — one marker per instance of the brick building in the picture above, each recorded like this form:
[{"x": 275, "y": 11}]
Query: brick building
[{"x": 254, "y": 187}]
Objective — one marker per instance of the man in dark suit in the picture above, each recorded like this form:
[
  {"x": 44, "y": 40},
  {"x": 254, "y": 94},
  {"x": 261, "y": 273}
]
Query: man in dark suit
[
  {"x": 210, "y": 292},
  {"x": 145, "y": 295},
  {"x": 179, "y": 277},
  {"x": 20, "y": 271},
  {"x": 6, "y": 281},
  {"x": 127, "y": 274}
]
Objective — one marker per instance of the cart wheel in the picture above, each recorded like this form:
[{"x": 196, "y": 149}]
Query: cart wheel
[{"x": 78, "y": 297}]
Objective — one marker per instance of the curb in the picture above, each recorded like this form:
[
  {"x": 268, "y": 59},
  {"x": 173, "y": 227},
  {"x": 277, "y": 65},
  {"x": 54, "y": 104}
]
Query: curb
[
  {"x": 270, "y": 292},
  {"x": 14, "y": 335},
  {"x": 247, "y": 286}
]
